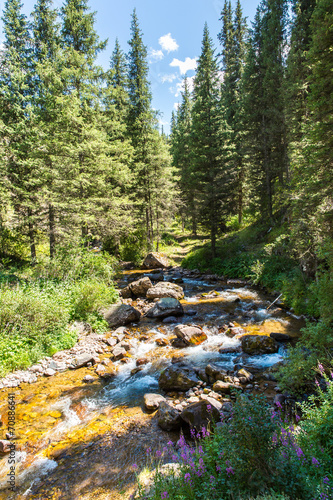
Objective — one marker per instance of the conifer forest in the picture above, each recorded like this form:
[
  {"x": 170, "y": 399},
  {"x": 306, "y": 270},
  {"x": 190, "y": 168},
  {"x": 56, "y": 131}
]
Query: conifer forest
[{"x": 93, "y": 193}]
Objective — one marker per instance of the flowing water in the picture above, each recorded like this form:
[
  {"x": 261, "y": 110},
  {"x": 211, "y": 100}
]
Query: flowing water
[{"x": 79, "y": 441}]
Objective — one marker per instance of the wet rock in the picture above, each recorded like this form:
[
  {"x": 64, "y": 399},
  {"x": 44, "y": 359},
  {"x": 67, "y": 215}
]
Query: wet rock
[
  {"x": 5, "y": 446},
  {"x": 168, "y": 417},
  {"x": 230, "y": 349},
  {"x": 162, "y": 342},
  {"x": 49, "y": 372},
  {"x": 140, "y": 287},
  {"x": 242, "y": 373},
  {"x": 258, "y": 344},
  {"x": 153, "y": 401},
  {"x": 233, "y": 331},
  {"x": 89, "y": 379},
  {"x": 118, "y": 353},
  {"x": 201, "y": 413},
  {"x": 155, "y": 260},
  {"x": 124, "y": 345},
  {"x": 224, "y": 387},
  {"x": 280, "y": 337},
  {"x": 190, "y": 312},
  {"x": 136, "y": 370},
  {"x": 191, "y": 335},
  {"x": 212, "y": 401},
  {"x": 178, "y": 377},
  {"x": 141, "y": 362},
  {"x": 178, "y": 343},
  {"x": 166, "y": 307},
  {"x": 170, "y": 320},
  {"x": 165, "y": 289},
  {"x": 121, "y": 314},
  {"x": 83, "y": 360},
  {"x": 215, "y": 372},
  {"x": 202, "y": 374}
]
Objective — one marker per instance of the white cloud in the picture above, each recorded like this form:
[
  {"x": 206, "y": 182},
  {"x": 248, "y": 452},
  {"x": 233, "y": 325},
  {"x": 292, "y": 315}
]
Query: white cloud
[
  {"x": 155, "y": 55},
  {"x": 184, "y": 66},
  {"x": 168, "y": 78},
  {"x": 176, "y": 106},
  {"x": 168, "y": 43}
]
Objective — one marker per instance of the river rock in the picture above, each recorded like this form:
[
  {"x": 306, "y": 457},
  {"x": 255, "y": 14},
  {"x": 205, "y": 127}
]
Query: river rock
[
  {"x": 199, "y": 414},
  {"x": 215, "y": 372},
  {"x": 49, "y": 372},
  {"x": 280, "y": 337},
  {"x": 165, "y": 289},
  {"x": 88, "y": 379},
  {"x": 166, "y": 307},
  {"x": 170, "y": 320},
  {"x": 121, "y": 314},
  {"x": 83, "y": 360},
  {"x": 168, "y": 418},
  {"x": 140, "y": 287},
  {"x": 126, "y": 293},
  {"x": 155, "y": 260},
  {"x": 230, "y": 349},
  {"x": 191, "y": 335},
  {"x": 178, "y": 377},
  {"x": 118, "y": 353},
  {"x": 153, "y": 401},
  {"x": 258, "y": 344},
  {"x": 224, "y": 387},
  {"x": 5, "y": 446},
  {"x": 242, "y": 373}
]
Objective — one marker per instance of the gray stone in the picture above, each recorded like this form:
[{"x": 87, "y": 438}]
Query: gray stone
[
  {"x": 170, "y": 319},
  {"x": 121, "y": 314},
  {"x": 153, "y": 401},
  {"x": 215, "y": 372},
  {"x": 201, "y": 413},
  {"x": 166, "y": 307},
  {"x": 168, "y": 417},
  {"x": 165, "y": 289},
  {"x": 83, "y": 359},
  {"x": 49, "y": 372},
  {"x": 224, "y": 387},
  {"x": 140, "y": 287},
  {"x": 88, "y": 379},
  {"x": 155, "y": 260},
  {"x": 118, "y": 353}
]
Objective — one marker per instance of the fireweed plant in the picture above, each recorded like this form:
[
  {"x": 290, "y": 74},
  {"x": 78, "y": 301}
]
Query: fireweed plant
[{"x": 252, "y": 453}]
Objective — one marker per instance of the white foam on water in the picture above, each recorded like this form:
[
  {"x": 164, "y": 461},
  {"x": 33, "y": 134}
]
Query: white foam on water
[
  {"x": 39, "y": 468},
  {"x": 192, "y": 299},
  {"x": 70, "y": 418},
  {"x": 262, "y": 314},
  {"x": 265, "y": 360}
]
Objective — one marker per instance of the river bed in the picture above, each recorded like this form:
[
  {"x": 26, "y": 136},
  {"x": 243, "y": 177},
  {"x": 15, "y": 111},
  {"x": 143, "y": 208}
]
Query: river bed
[{"x": 80, "y": 441}]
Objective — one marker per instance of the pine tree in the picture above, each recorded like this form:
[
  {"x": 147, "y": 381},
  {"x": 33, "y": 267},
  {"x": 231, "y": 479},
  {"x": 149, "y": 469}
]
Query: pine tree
[
  {"x": 265, "y": 107},
  {"x": 140, "y": 124},
  {"x": 232, "y": 38},
  {"x": 210, "y": 143},
  {"x": 17, "y": 115}
]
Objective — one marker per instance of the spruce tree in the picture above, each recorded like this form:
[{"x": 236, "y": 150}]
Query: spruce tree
[
  {"x": 17, "y": 115},
  {"x": 232, "y": 38},
  {"x": 140, "y": 124},
  {"x": 210, "y": 143}
]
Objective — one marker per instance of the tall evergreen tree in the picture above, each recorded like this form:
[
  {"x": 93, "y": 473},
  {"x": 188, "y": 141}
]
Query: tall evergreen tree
[
  {"x": 17, "y": 115},
  {"x": 140, "y": 125},
  {"x": 232, "y": 38},
  {"x": 265, "y": 106},
  {"x": 210, "y": 143}
]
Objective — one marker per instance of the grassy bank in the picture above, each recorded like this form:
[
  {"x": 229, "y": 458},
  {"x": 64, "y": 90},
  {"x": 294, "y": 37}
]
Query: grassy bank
[{"x": 38, "y": 304}]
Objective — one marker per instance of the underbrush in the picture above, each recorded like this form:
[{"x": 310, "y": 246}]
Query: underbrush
[
  {"x": 256, "y": 454},
  {"x": 37, "y": 309}
]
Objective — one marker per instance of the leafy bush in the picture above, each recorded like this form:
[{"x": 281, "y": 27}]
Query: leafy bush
[{"x": 35, "y": 318}]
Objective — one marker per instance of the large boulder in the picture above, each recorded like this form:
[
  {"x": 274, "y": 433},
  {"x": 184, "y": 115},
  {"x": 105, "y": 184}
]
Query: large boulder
[
  {"x": 199, "y": 414},
  {"x": 165, "y": 289},
  {"x": 155, "y": 260},
  {"x": 178, "y": 378},
  {"x": 121, "y": 314},
  {"x": 166, "y": 307},
  {"x": 225, "y": 387},
  {"x": 83, "y": 359},
  {"x": 280, "y": 337},
  {"x": 258, "y": 344},
  {"x": 168, "y": 418},
  {"x": 140, "y": 287},
  {"x": 191, "y": 335},
  {"x": 215, "y": 372}
]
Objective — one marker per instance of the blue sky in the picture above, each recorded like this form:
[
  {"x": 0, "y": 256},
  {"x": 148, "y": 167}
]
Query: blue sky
[{"x": 172, "y": 31}]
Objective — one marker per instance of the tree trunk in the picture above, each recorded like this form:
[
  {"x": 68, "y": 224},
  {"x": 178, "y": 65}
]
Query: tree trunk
[
  {"x": 31, "y": 234},
  {"x": 51, "y": 231},
  {"x": 213, "y": 241}
]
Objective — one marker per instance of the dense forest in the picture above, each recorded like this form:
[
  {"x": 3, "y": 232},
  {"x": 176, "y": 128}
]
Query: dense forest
[{"x": 87, "y": 179}]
